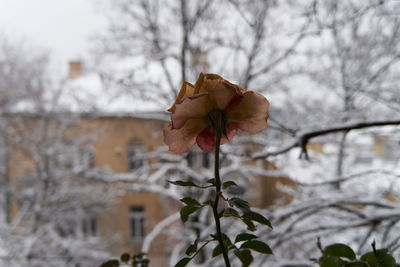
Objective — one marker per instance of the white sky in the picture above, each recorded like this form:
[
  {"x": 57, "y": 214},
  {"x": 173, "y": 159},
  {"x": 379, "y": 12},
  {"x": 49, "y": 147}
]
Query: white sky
[{"x": 63, "y": 27}]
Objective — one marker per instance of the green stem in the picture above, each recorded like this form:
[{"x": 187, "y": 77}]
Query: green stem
[{"x": 216, "y": 201}]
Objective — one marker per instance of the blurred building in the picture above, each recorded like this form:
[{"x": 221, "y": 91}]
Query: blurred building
[
  {"x": 115, "y": 145},
  {"x": 110, "y": 148},
  {"x": 120, "y": 147}
]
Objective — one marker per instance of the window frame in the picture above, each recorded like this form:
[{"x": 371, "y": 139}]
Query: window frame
[
  {"x": 133, "y": 149},
  {"x": 137, "y": 222},
  {"x": 89, "y": 226}
]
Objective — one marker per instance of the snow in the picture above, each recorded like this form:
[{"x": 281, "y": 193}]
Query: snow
[
  {"x": 87, "y": 94},
  {"x": 308, "y": 91}
]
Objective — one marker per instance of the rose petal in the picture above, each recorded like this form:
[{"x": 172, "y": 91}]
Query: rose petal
[
  {"x": 226, "y": 95},
  {"x": 199, "y": 83},
  {"x": 180, "y": 140},
  {"x": 187, "y": 90},
  {"x": 206, "y": 82},
  {"x": 244, "y": 110},
  {"x": 231, "y": 131},
  {"x": 251, "y": 113},
  {"x": 196, "y": 106},
  {"x": 206, "y": 140},
  {"x": 223, "y": 93}
]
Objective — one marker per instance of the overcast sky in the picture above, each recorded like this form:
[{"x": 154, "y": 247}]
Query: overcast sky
[{"x": 63, "y": 27}]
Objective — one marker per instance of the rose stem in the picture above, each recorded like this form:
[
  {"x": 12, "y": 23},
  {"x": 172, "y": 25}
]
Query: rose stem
[{"x": 217, "y": 194}]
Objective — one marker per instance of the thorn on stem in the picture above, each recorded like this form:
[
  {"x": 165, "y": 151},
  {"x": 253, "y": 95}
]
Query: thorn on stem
[{"x": 373, "y": 245}]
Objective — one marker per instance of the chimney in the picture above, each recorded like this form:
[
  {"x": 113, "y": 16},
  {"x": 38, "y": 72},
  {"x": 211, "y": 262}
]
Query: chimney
[
  {"x": 203, "y": 61},
  {"x": 75, "y": 69}
]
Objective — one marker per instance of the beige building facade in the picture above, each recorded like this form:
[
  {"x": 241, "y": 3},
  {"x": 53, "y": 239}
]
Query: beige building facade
[{"x": 116, "y": 143}]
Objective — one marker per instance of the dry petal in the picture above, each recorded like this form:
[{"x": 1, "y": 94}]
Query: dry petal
[
  {"x": 187, "y": 90},
  {"x": 224, "y": 94},
  {"x": 244, "y": 110},
  {"x": 251, "y": 114},
  {"x": 206, "y": 82},
  {"x": 206, "y": 140},
  {"x": 197, "y": 106},
  {"x": 179, "y": 141}
]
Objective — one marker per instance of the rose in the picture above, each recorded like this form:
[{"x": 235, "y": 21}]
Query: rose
[{"x": 210, "y": 105}]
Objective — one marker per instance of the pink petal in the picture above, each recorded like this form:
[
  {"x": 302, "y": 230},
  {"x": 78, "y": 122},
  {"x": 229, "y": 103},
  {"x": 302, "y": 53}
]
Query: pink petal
[
  {"x": 196, "y": 106},
  {"x": 223, "y": 92},
  {"x": 187, "y": 90},
  {"x": 234, "y": 102},
  {"x": 180, "y": 140},
  {"x": 251, "y": 113},
  {"x": 206, "y": 140},
  {"x": 231, "y": 131},
  {"x": 226, "y": 95}
]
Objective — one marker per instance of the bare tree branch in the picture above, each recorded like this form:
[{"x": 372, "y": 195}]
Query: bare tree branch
[{"x": 302, "y": 139}]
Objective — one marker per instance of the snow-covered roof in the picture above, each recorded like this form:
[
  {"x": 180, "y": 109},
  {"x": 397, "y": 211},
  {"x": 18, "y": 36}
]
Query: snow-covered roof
[{"x": 87, "y": 94}]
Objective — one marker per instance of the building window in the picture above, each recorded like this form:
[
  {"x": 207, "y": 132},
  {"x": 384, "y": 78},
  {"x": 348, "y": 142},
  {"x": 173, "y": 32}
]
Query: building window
[
  {"x": 198, "y": 159},
  {"x": 84, "y": 160},
  {"x": 137, "y": 221},
  {"x": 135, "y": 156},
  {"x": 206, "y": 160},
  {"x": 89, "y": 226},
  {"x": 87, "y": 158},
  {"x": 67, "y": 228}
]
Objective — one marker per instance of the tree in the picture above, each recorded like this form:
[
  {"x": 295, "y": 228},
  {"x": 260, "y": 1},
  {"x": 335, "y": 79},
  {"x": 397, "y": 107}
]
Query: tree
[
  {"x": 328, "y": 68},
  {"x": 153, "y": 46},
  {"x": 45, "y": 197}
]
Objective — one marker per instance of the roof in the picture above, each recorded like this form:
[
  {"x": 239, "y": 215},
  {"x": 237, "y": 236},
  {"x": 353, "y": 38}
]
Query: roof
[{"x": 87, "y": 94}]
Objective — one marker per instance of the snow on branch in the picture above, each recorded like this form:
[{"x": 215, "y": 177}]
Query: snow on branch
[
  {"x": 302, "y": 139},
  {"x": 158, "y": 229},
  {"x": 345, "y": 178}
]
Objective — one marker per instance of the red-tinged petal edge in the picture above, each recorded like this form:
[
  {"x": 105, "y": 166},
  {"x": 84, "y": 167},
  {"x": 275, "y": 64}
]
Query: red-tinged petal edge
[
  {"x": 231, "y": 131},
  {"x": 180, "y": 140},
  {"x": 206, "y": 140},
  {"x": 187, "y": 89},
  {"x": 251, "y": 114},
  {"x": 197, "y": 106},
  {"x": 235, "y": 101}
]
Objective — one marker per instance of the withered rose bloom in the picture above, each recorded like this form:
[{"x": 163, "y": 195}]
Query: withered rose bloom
[{"x": 196, "y": 106}]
